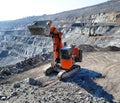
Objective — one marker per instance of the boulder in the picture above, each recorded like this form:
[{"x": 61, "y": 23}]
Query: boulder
[{"x": 32, "y": 81}]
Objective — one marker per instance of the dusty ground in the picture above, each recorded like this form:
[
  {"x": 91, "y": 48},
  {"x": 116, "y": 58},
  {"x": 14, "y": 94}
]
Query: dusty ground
[
  {"x": 108, "y": 64},
  {"x": 98, "y": 77}
]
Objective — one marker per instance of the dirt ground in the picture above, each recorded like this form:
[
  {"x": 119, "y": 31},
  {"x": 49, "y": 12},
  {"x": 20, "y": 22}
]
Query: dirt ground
[
  {"x": 99, "y": 75},
  {"x": 108, "y": 64}
]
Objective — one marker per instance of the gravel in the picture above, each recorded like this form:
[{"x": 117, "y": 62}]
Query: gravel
[{"x": 57, "y": 92}]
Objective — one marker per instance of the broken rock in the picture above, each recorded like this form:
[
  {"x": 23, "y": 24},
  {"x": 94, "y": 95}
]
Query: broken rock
[{"x": 32, "y": 81}]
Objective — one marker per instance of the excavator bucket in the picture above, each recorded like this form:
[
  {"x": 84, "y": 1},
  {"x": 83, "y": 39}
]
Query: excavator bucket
[{"x": 39, "y": 28}]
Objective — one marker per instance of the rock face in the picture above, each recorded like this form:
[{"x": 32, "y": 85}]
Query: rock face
[
  {"x": 18, "y": 45},
  {"x": 100, "y": 30},
  {"x": 24, "y": 65}
]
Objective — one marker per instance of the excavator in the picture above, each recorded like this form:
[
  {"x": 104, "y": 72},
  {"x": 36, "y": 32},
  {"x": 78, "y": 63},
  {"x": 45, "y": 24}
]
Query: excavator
[{"x": 64, "y": 57}]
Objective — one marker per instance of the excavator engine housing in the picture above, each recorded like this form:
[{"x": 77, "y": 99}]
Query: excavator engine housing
[{"x": 66, "y": 58}]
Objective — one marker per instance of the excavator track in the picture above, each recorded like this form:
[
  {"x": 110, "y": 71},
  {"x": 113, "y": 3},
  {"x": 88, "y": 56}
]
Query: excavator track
[
  {"x": 48, "y": 71},
  {"x": 65, "y": 74},
  {"x": 62, "y": 73}
]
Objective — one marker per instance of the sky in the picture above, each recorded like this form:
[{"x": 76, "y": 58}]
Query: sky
[{"x": 16, "y": 9}]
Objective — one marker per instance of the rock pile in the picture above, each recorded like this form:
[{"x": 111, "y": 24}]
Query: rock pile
[
  {"x": 24, "y": 65},
  {"x": 58, "y": 92}
]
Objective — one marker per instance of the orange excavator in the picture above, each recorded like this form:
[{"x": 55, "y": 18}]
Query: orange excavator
[{"x": 65, "y": 57}]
